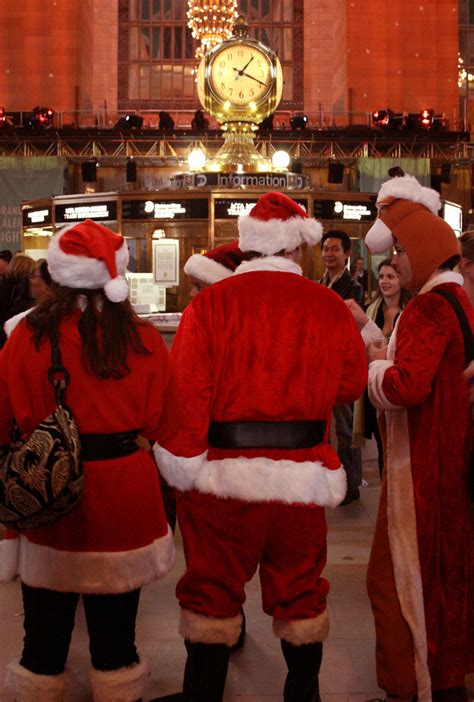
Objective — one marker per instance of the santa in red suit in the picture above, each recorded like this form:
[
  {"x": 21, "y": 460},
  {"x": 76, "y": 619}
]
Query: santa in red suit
[
  {"x": 258, "y": 363},
  {"x": 421, "y": 574}
]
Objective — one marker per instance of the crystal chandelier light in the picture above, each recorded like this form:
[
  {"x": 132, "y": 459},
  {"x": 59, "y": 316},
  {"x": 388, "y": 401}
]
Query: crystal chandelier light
[{"x": 211, "y": 22}]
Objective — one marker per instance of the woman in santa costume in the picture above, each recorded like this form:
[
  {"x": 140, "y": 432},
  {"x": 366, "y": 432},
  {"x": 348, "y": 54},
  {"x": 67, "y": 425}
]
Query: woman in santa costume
[
  {"x": 116, "y": 538},
  {"x": 421, "y": 574},
  {"x": 258, "y": 363}
]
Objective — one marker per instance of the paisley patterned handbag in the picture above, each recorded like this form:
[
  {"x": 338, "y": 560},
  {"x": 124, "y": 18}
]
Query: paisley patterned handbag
[{"x": 42, "y": 478}]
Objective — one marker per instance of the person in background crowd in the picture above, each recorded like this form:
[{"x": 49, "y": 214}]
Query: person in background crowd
[
  {"x": 32, "y": 289},
  {"x": 361, "y": 276},
  {"x": 5, "y": 258},
  {"x": 384, "y": 311},
  {"x": 421, "y": 569},
  {"x": 116, "y": 539},
  {"x": 335, "y": 251},
  {"x": 18, "y": 270},
  {"x": 467, "y": 263},
  {"x": 258, "y": 362}
]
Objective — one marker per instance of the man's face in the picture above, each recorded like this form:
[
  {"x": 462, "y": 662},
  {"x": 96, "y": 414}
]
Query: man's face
[
  {"x": 333, "y": 254},
  {"x": 360, "y": 265},
  {"x": 3, "y": 266},
  {"x": 402, "y": 265}
]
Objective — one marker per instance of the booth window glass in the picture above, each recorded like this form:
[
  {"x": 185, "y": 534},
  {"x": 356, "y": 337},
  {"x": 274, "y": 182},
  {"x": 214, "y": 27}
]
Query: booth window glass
[{"x": 157, "y": 51}]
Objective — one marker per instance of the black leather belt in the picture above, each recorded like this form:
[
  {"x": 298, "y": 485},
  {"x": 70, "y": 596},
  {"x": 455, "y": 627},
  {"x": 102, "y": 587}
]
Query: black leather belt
[
  {"x": 101, "y": 447},
  {"x": 259, "y": 435}
]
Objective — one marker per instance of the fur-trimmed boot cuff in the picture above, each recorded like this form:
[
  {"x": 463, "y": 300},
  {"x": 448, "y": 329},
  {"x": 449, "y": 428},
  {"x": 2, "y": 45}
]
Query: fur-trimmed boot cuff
[
  {"x": 123, "y": 685},
  {"x": 26, "y": 686}
]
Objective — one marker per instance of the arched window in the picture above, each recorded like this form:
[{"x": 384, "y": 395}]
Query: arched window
[{"x": 156, "y": 51}]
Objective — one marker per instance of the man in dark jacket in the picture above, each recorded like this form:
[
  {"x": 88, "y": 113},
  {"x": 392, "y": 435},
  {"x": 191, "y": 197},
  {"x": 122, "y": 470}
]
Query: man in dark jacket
[{"x": 336, "y": 249}]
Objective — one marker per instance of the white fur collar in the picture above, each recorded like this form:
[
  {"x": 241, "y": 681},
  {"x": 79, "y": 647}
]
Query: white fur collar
[
  {"x": 439, "y": 277},
  {"x": 269, "y": 263},
  {"x": 13, "y": 322}
]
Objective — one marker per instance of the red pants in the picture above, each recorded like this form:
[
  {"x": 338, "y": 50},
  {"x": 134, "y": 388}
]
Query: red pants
[{"x": 226, "y": 540}]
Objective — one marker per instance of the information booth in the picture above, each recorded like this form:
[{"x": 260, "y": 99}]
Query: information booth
[{"x": 164, "y": 228}]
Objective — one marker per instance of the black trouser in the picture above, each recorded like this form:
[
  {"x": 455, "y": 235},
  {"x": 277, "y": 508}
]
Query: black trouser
[{"x": 49, "y": 621}]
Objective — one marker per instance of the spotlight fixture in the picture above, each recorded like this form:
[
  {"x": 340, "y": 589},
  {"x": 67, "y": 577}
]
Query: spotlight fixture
[
  {"x": 41, "y": 118},
  {"x": 266, "y": 125},
  {"x": 298, "y": 122},
  {"x": 130, "y": 121},
  {"x": 89, "y": 170},
  {"x": 166, "y": 121},
  {"x": 199, "y": 122},
  {"x": 131, "y": 170},
  {"x": 388, "y": 119},
  {"x": 3, "y": 117}
]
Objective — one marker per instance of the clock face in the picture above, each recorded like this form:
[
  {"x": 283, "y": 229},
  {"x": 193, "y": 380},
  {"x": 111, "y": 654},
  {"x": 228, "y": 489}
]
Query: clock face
[{"x": 240, "y": 74}]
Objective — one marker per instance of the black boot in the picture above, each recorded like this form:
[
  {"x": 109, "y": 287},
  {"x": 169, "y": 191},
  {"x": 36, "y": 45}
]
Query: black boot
[
  {"x": 204, "y": 675},
  {"x": 304, "y": 662}
]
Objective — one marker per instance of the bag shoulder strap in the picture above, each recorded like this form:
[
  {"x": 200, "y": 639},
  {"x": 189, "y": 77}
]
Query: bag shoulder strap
[
  {"x": 58, "y": 375},
  {"x": 463, "y": 321}
]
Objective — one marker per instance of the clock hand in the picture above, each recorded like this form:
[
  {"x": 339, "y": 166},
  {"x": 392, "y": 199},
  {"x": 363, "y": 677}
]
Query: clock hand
[
  {"x": 247, "y": 65},
  {"x": 242, "y": 71},
  {"x": 256, "y": 79}
]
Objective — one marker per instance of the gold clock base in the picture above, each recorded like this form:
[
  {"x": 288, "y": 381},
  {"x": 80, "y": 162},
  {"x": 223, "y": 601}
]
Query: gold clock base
[{"x": 238, "y": 153}]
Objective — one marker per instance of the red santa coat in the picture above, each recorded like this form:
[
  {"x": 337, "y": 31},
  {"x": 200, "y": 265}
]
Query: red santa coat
[
  {"x": 425, "y": 399},
  {"x": 266, "y": 344},
  {"x": 116, "y": 539}
]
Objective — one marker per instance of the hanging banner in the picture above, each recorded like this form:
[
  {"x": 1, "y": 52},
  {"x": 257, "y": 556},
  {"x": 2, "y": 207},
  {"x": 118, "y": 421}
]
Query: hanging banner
[{"x": 25, "y": 178}]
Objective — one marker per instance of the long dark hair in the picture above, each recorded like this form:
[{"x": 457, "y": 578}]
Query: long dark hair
[{"x": 108, "y": 330}]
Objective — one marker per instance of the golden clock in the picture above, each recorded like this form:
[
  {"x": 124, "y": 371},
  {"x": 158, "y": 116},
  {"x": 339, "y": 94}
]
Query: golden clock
[{"x": 240, "y": 80}]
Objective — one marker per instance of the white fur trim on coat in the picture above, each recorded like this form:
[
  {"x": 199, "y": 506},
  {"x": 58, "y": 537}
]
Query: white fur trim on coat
[
  {"x": 14, "y": 321},
  {"x": 126, "y": 684},
  {"x": 269, "y": 237},
  {"x": 26, "y": 686},
  {"x": 206, "y": 269},
  {"x": 81, "y": 271},
  {"x": 379, "y": 238},
  {"x": 440, "y": 277},
  {"x": 255, "y": 479},
  {"x": 86, "y": 572},
  {"x": 278, "y": 264},
  {"x": 403, "y": 540},
  {"x": 303, "y": 631},
  {"x": 408, "y": 188},
  {"x": 376, "y": 375},
  {"x": 209, "y": 630}
]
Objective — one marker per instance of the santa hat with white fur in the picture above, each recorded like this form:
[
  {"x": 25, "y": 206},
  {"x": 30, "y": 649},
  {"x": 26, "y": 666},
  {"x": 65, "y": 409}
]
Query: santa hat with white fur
[
  {"x": 216, "y": 264},
  {"x": 277, "y": 223},
  {"x": 91, "y": 256}
]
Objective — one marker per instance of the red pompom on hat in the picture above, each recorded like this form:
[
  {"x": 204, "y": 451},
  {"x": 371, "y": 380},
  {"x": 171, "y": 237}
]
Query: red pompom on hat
[
  {"x": 277, "y": 223},
  {"x": 89, "y": 255},
  {"x": 216, "y": 264}
]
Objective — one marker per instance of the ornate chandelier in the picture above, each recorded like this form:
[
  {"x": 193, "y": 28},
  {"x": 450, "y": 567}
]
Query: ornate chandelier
[{"x": 211, "y": 22}]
